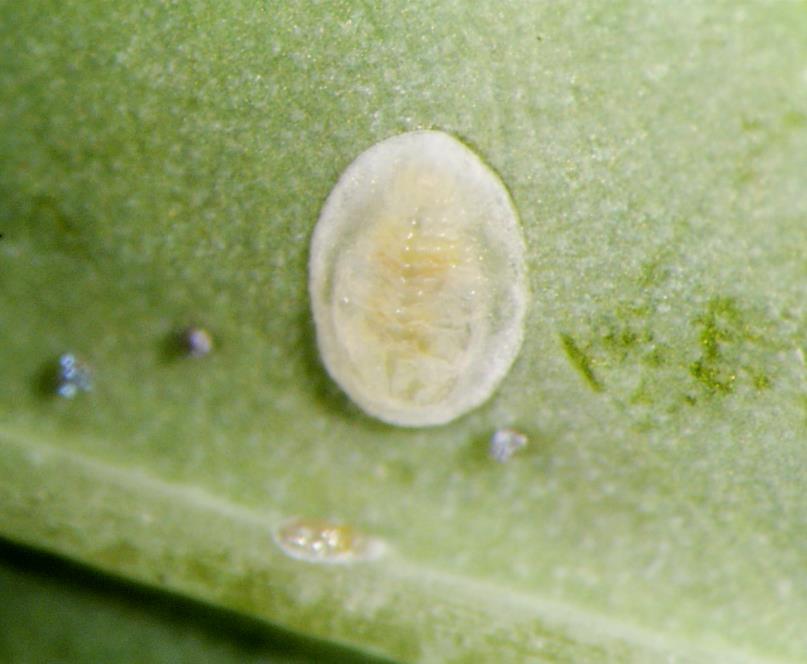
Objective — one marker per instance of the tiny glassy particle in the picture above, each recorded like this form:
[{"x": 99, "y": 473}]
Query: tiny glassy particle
[
  {"x": 196, "y": 341},
  {"x": 417, "y": 280},
  {"x": 321, "y": 541},
  {"x": 504, "y": 443},
  {"x": 73, "y": 376}
]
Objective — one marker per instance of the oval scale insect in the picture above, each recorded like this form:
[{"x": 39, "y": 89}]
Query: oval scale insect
[
  {"x": 417, "y": 280},
  {"x": 323, "y": 541}
]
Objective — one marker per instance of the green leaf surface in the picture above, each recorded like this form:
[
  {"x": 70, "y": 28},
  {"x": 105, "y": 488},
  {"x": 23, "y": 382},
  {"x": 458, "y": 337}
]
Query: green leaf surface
[
  {"x": 163, "y": 164},
  {"x": 63, "y": 613}
]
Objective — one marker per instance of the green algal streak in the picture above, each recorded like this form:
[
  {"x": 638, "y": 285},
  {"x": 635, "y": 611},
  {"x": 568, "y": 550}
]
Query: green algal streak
[
  {"x": 580, "y": 361},
  {"x": 723, "y": 327}
]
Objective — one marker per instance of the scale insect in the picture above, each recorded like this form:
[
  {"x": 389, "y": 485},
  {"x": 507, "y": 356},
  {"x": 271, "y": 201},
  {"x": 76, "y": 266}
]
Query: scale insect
[
  {"x": 417, "y": 280},
  {"x": 323, "y": 541}
]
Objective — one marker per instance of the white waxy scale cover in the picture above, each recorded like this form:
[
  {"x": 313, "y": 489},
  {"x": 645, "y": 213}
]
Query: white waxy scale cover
[{"x": 417, "y": 280}]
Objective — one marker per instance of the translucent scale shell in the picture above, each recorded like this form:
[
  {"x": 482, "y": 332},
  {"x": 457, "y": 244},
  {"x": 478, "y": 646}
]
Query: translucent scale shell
[{"x": 417, "y": 280}]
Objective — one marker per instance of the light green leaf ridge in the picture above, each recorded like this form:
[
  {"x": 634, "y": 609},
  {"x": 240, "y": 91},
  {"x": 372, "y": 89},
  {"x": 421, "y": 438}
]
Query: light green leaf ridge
[{"x": 393, "y": 606}]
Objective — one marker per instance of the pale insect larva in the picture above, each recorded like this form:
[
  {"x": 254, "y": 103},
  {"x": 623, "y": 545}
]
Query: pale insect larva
[
  {"x": 322, "y": 541},
  {"x": 417, "y": 280}
]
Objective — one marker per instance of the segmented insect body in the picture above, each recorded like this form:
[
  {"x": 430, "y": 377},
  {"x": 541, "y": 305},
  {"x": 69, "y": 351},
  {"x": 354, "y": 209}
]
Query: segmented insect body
[{"x": 417, "y": 280}]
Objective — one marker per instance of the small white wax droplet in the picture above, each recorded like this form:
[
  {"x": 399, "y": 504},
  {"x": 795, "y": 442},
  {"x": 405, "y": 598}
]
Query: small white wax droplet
[
  {"x": 197, "y": 341},
  {"x": 74, "y": 376},
  {"x": 504, "y": 443}
]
